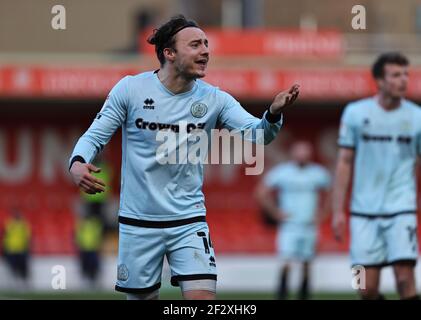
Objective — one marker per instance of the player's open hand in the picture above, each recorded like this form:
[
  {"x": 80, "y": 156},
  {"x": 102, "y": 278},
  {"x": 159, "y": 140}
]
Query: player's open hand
[
  {"x": 82, "y": 177},
  {"x": 284, "y": 98},
  {"x": 338, "y": 225}
]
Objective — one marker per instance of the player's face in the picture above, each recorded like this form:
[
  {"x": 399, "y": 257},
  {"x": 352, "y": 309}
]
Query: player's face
[
  {"x": 192, "y": 53},
  {"x": 395, "y": 80},
  {"x": 301, "y": 152}
]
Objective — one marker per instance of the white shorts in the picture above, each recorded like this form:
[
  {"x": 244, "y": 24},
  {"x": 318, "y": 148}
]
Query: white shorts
[
  {"x": 380, "y": 241},
  {"x": 141, "y": 254},
  {"x": 297, "y": 242}
]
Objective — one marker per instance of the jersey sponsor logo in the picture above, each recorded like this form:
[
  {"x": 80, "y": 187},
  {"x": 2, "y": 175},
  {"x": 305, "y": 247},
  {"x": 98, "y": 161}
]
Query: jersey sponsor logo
[
  {"x": 380, "y": 138},
  {"x": 376, "y": 138},
  {"x": 148, "y": 104},
  {"x": 198, "y": 109},
  {"x": 404, "y": 139},
  {"x": 142, "y": 124},
  {"x": 122, "y": 272}
]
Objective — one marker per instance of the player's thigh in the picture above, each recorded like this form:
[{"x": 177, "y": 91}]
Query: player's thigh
[
  {"x": 140, "y": 259},
  {"x": 307, "y": 244},
  {"x": 191, "y": 254},
  {"x": 297, "y": 242},
  {"x": 198, "y": 295},
  {"x": 402, "y": 238},
  {"x": 288, "y": 242},
  {"x": 368, "y": 246}
]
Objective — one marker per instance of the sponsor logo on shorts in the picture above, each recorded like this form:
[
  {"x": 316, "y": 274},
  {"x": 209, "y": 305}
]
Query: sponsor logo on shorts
[
  {"x": 122, "y": 272},
  {"x": 212, "y": 261}
]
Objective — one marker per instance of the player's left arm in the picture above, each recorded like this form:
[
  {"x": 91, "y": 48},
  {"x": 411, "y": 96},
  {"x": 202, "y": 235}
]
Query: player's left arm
[
  {"x": 325, "y": 196},
  {"x": 324, "y": 209},
  {"x": 235, "y": 118},
  {"x": 265, "y": 199}
]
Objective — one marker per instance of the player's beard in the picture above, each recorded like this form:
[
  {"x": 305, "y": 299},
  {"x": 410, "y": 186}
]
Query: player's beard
[{"x": 190, "y": 71}]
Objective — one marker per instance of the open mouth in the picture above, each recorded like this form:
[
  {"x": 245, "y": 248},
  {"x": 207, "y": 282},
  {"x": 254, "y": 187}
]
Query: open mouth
[{"x": 202, "y": 62}]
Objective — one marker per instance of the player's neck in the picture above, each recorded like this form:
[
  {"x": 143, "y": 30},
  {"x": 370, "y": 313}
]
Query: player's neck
[
  {"x": 387, "y": 102},
  {"x": 173, "y": 81},
  {"x": 301, "y": 164}
]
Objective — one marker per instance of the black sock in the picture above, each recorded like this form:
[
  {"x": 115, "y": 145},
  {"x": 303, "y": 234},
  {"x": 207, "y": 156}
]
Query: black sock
[
  {"x": 304, "y": 294},
  {"x": 283, "y": 285}
]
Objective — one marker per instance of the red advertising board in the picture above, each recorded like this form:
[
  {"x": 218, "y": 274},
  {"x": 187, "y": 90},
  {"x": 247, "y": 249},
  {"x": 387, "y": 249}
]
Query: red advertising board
[
  {"x": 317, "y": 85},
  {"x": 267, "y": 42}
]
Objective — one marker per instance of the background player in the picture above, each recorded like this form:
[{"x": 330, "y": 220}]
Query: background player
[
  {"x": 162, "y": 210},
  {"x": 299, "y": 185},
  {"x": 379, "y": 141}
]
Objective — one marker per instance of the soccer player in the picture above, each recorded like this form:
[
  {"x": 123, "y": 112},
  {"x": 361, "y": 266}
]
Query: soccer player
[
  {"x": 162, "y": 211},
  {"x": 300, "y": 185},
  {"x": 379, "y": 141}
]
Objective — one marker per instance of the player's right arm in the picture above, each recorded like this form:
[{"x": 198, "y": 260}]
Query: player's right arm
[
  {"x": 107, "y": 121},
  {"x": 266, "y": 201},
  {"x": 345, "y": 161},
  {"x": 343, "y": 173},
  {"x": 264, "y": 194}
]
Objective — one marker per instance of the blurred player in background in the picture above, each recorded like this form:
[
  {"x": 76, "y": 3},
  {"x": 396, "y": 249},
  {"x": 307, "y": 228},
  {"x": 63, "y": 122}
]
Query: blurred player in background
[
  {"x": 299, "y": 185},
  {"x": 162, "y": 211},
  {"x": 379, "y": 142}
]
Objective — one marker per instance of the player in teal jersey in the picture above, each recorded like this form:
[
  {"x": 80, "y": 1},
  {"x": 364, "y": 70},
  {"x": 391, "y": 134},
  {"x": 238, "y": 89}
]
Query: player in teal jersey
[
  {"x": 299, "y": 184},
  {"x": 379, "y": 141},
  {"x": 162, "y": 211}
]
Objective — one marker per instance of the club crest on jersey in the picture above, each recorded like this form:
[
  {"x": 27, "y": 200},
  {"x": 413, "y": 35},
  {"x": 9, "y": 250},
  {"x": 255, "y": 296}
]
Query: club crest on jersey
[
  {"x": 405, "y": 125},
  {"x": 122, "y": 272},
  {"x": 199, "y": 109}
]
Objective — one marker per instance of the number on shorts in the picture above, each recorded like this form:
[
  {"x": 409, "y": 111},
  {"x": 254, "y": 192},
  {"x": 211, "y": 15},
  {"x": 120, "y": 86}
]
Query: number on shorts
[
  {"x": 412, "y": 233},
  {"x": 206, "y": 243}
]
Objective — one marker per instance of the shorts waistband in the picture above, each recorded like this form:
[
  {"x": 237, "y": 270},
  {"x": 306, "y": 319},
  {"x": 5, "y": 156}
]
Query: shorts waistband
[
  {"x": 389, "y": 215},
  {"x": 159, "y": 224}
]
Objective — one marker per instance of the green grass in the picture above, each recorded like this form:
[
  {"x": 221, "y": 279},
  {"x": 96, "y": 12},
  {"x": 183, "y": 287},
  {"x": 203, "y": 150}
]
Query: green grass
[{"x": 165, "y": 295}]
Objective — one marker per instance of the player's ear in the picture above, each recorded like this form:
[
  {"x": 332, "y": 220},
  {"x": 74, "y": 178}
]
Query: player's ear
[
  {"x": 169, "y": 54},
  {"x": 380, "y": 82}
]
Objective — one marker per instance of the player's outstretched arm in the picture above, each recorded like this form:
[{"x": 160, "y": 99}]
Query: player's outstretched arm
[
  {"x": 284, "y": 99},
  {"x": 82, "y": 177},
  {"x": 236, "y": 119},
  {"x": 325, "y": 206},
  {"x": 342, "y": 178}
]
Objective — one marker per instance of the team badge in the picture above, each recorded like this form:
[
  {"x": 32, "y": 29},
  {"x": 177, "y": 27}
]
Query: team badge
[
  {"x": 122, "y": 272},
  {"x": 405, "y": 125},
  {"x": 199, "y": 109}
]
